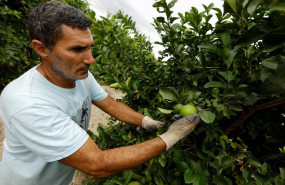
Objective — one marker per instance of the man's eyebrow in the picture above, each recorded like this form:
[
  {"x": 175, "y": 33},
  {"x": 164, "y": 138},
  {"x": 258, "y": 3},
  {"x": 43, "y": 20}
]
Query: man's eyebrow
[{"x": 80, "y": 47}]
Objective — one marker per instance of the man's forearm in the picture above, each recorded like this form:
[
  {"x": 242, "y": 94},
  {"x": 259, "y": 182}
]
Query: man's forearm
[
  {"x": 102, "y": 163},
  {"x": 127, "y": 115},
  {"x": 120, "y": 111},
  {"x": 119, "y": 159}
]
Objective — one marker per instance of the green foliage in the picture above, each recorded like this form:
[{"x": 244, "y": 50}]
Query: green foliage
[
  {"x": 233, "y": 71},
  {"x": 120, "y": 51}
]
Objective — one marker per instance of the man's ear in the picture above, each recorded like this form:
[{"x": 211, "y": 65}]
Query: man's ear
[{"x": 40, "y": 48}]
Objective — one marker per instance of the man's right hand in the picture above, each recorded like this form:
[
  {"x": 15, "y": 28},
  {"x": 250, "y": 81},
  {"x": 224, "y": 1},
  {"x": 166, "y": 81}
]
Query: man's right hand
[{"x": 180, "y": 129}]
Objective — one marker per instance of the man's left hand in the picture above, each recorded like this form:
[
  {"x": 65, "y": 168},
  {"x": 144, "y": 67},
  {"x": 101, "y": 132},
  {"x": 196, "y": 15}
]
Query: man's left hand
[{"x": 150, "y": 124}]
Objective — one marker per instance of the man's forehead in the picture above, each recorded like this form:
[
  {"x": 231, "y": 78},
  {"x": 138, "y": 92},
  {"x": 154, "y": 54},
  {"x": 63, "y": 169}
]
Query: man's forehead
[{"x": 73, "y": 34}]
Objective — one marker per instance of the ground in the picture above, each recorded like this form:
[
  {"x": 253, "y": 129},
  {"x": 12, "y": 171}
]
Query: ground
[{"x": 97, "y": 116}]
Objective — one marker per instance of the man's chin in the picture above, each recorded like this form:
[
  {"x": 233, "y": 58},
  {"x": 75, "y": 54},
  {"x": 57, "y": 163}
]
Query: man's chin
[{"x": 83, "y": 75}]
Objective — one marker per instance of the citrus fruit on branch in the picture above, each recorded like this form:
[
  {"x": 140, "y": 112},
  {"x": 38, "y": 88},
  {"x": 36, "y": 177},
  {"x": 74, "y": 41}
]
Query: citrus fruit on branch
[{"x": 187, "y": 110}]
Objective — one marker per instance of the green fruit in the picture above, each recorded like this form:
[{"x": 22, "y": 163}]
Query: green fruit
[
  {"x": 187, "y": 110},
  {"x": 177, "y": 108},
  {"x": 134, "y": 183}
]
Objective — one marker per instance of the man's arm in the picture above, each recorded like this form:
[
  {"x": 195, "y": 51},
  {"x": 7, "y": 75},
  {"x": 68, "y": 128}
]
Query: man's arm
[
  {"x": 101, "y": 163},
  {"x": 120, "y": 111},
  {"x": 90, "y": 159}
]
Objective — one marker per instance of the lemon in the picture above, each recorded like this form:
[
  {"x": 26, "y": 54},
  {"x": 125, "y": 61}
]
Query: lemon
[
  {"x": 187, "y": 110},
  {"x": 177, "y": 108}
]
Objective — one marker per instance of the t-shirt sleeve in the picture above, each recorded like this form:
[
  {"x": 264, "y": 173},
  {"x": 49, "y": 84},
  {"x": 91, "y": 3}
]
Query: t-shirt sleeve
[
  {"x": 97, "y": 92},
  {"x": 48, "y": 132}
]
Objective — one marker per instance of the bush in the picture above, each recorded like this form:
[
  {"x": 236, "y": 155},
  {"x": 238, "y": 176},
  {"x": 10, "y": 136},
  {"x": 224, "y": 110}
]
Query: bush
[{"x": 234, "y": 71}]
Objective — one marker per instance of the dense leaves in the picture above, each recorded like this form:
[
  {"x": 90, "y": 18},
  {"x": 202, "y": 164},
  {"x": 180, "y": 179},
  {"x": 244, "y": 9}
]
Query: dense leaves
[{"x": 234, "y": 71}]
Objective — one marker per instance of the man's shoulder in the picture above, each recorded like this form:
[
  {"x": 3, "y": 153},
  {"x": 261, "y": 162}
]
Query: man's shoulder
[
  {"x": 19, "y": 86},
  {"x": 16, "y": 95}
]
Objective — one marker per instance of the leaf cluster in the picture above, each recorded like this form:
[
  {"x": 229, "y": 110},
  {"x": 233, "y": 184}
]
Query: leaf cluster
[{"x": 234, "y": 72}]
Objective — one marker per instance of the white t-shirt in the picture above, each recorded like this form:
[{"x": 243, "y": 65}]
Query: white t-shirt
[{"x": 43, "y": 124}]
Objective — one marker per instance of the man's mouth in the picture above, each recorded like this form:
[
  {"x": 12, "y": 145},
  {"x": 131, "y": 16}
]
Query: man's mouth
[{"x": 84, "y": 69}]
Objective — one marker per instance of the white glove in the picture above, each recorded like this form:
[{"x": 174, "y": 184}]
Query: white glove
[
  {"x": 180, "y": 129},
  {"x": 150, "y": 124}
]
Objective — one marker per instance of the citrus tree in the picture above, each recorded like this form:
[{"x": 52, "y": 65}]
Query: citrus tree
[
  {"x": 234, "y": 72},
  {"x": 120, "y": 51}
]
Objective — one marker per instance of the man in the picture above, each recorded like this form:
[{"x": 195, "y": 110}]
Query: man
[{"x": 46, "y": 110}]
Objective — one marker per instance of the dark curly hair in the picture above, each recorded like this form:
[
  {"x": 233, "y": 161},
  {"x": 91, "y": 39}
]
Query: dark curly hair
[{"x": 46, "y": 19}]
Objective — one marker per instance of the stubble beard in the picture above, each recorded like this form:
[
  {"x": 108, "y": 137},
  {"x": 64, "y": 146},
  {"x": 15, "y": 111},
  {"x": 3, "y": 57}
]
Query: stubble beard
[{"x": 63, "y": 69}]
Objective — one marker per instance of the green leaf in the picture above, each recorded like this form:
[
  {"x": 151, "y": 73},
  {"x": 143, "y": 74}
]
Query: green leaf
[
  {"x": 253, "y": 161},
  {"x": 229, "y": 75},
  {"x": 265, "y": 169},
  {"x": 265, "y": 74},
  {"x": 158, "y": 180},
  {"x": 252, "y": 6},
  {"x": 207, "y": 116},
  {"x": 240, "y": 94},
  {"x": 146, "y": 112},
  {"x": 221, "y": 180},
  {"x": 276, "y": 82},
  {"x": 179, "y": 49},
  {"x": 172, "y": 3},
  {"x": 225, "y": 38},
  {"x": 168, "y": 93},
  {"x": 260, "y": 179},
  {"x": 273, "y": 62},
  {"x": 182, "y": 166},
  {"x": 224, "y": 141},
  {"x": 225, "y": 161},
  {"x": 215, "y": 84},
  {"x": 128, "y": 176},
  {"x": 235, "y": 107},
  {"x": 280, "y": 7},
  {"x": 165, "y": 111},
  {"x": 117, "y": 181},
  {"x": 282, "y": 173},
  {"x": 227, "y": 26},
  {"x": 215, "y": 92},
  {"x": 233, "y": 5},
  {"x": 250, "y": 100},
  {"x": 254, "y": 34},
  {"x": 157, "y": 4},
  {"x": 160, "y": 19},
  {"x": 246, "y": 173},
  {"x": 211, "y": 48},
  {"x": 190, "y": 176},
  {"x": 128, "y": 81},
  {"x": 135, "y": 85},
  {"x": 162, "y": 160},
  {"x": 229, "y": 59}
]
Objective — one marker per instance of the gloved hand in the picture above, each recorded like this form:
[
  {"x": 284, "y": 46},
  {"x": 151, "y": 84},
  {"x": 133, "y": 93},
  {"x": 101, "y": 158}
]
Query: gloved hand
[
  {"x": 150, "y": 124},
  {"x": 180, "y": 129}
]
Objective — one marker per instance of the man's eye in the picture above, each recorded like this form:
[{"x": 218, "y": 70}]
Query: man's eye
[{"x": 78, "y": 49}]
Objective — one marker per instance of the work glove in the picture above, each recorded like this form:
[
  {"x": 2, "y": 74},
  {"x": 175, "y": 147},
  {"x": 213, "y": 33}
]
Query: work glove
[
  {"x": 150, "y": 124},
  {"x": 180, "y": 129}
]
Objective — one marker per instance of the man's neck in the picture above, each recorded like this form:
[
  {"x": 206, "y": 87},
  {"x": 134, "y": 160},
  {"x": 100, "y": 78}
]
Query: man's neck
[{"x": 54, "y": 78}]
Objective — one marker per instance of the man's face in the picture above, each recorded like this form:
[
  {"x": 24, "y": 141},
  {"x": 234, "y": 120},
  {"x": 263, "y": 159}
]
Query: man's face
[{"x": 71, "y": 55}]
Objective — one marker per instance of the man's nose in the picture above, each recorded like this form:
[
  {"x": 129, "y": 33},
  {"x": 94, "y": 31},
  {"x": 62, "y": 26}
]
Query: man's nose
[{"x": 89, "y": 59}]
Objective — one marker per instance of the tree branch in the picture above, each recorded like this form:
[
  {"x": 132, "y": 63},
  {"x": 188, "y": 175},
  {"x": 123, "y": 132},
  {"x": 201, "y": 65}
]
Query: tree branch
[{"x": 249, "y": 111}]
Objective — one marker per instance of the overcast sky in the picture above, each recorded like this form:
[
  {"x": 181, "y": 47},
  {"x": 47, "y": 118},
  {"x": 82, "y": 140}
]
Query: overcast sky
[{"x": 143, "y": 13}]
